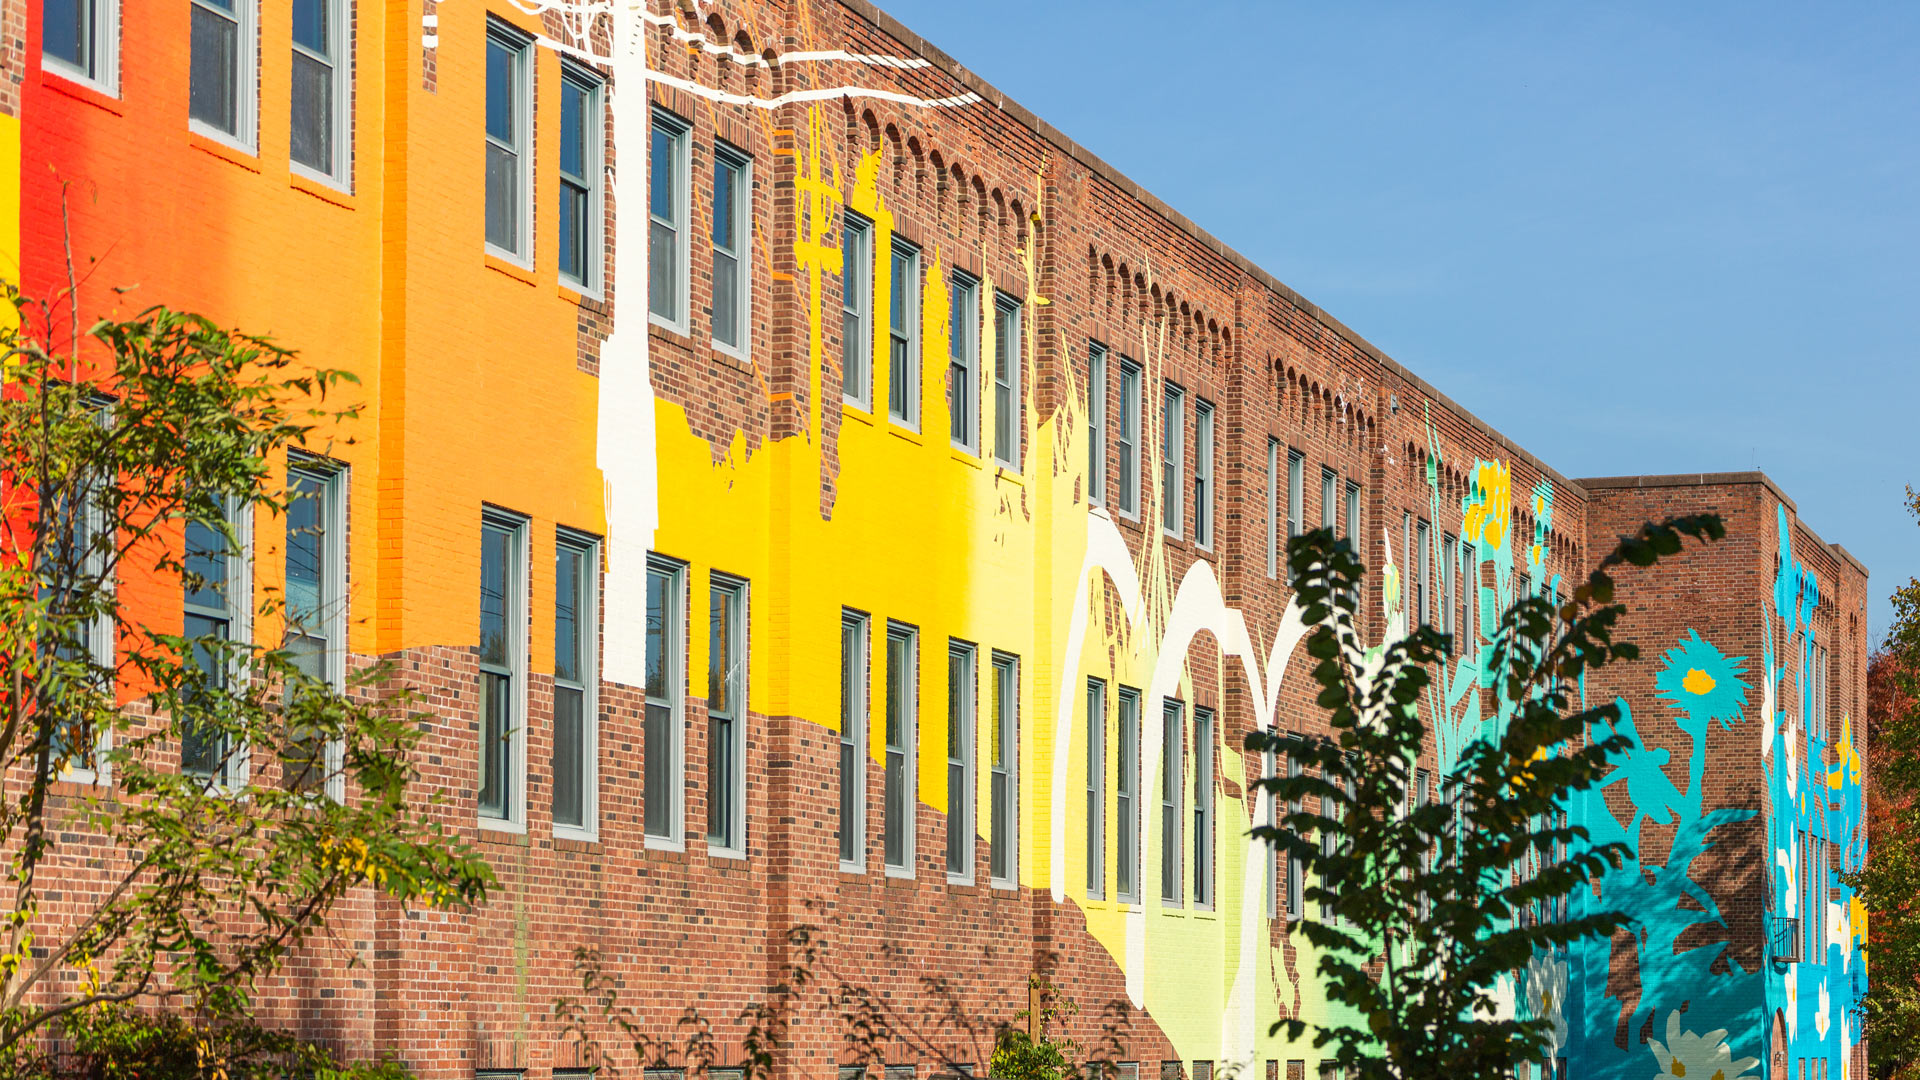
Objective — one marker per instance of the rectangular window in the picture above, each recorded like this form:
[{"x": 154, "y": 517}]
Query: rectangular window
[
  {"x": 1296, "y": 502},
  {"x": 581, "y": 136},
  {"x": 1449, "y": 554},
  {"x": 1126, "y": 798},
  {"x": 220, "y": 82},
  {"x": 576, "y": 621},
  {"x": 1096, "y": 423},
  {"x": 902, "y": 716},
  {"x": 1203, "y": 807},
  {"x": 1173, "y": 721},
  {"x": 1423, "y": 581},
  {"x": 503, "y": 647},
  {"x": 320, "y": 95},
  {"x": 1270, "y": 817},
  {"x": 1007, "y": 432},
  {"x": 1203, "y": 473},
  {"x": 727, "y": 716},
  {"x": 316, "y": 609},
  {"x": 963, "y": 364},
  {"x": 667, "y": 211},
  {"x": 78, "y": 40},
  {"x": 853, "y": 739},
  {"x": 1096, "y": 789},
  {"x": 1004, "y": 856},
  {"x": 509, "y": 143},
  {"x": 962, "y": 688},
  {"x": 1296, "y": 869},
  {"x": 1329, "y": 499},
  {"x": 664, "y": 744},
  {"x": 856, "y": 310},
  {"x": 903, "y": 336},
  {"x": 1353, "y": 518},
  {"x": 1173, "y": 454},
  {"x": 732, "y": 235},
  {"x": 1469, "y": 594},
  {"x": 1327, "y": 851},
  {"x": 216, "y": 599},
  {"x": 1273, "y": 507},
  {"x": 1130, "y": 405}
]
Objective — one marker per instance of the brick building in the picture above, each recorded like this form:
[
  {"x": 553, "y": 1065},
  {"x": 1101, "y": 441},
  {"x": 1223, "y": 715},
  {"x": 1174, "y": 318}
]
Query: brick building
[{"x": 899, "y": 558}]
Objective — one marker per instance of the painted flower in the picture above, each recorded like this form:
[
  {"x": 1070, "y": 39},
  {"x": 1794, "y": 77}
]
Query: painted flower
[
  {"x": 1546, "y": 997},
  {"x": 1793, "y": 997},
  {"x": 1687, "y": 1056},
  {"x": 1487, "y": 509},
  {"x": 1703, "y": 683},
  {"x": 1848, "y": 770},
  {"x": 1822, "y": 1005}
]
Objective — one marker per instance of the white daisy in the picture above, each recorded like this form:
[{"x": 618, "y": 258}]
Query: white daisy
[
  {"x": 1546, "y": 997},
  {"x": 1687, "y": 1056},
  {"x": 1821, "y": 1021}
]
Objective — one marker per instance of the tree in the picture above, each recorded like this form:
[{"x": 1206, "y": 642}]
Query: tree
[
  {"x": 228, "y": 795},
  {"x": 1434, "y": 905},
  {"x": 1890, "y": 880}
]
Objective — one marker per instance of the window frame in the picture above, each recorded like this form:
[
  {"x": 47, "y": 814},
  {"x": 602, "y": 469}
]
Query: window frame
[
  {"x": 234, "y": 768},
  {"x": 1096, "y": 784},
  {"x": 587, "y": 681},
  {"x": 680, "y": 139},
  {"x": 1273, "y": 507},
  {"x": 1096, "y": 424},
  {"x": 909, "y": 750},
  {"x": 962, "y": 755},
  {"x": 1173, "y": 783},
  {"x": 1173, "y": 459},
  {"x": 1132, "y": 377},
  {"x": 591, "y": 280},
  {"x": 851, "y": 814},
  {"x": 1007, "y": 343},
  {"x": 1296, "y": 907},
  {"x": 854, "y": 224},
  {"x": 737, "y": 592},
  {"x": 1127, "y": 890},
  {"x": 1449, "y": 580},
  {"x": 1204, "y": 731},
  {"x": 906, "y": 337},
  {"x": 521, "y": 254},
  {"x": 963, "y": 362},
  {"x": 101, "y": 647},
  {"x": 332, "y": 478},
  {"x": 1203, "y": 487},
  {"x": 1296, "y": 503},
  {"x": 1006, "y": 801},
  {"x": 513, "y": 811},
  {"x": 1329, "y": 499},
  {"x": 341, "y": 128},
  {"x": 103, "y": 50},
  {"x": 727, "y": 155},
  {"x": 246, "y": 88},
  {"x": 1423, "y": 564},
  {"x": 674, "y": 660}
]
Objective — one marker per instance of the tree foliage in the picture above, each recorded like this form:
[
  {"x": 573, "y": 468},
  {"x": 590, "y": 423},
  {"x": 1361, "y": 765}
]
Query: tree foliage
[
  {"x": 132, "y": 459},
  {"x": 1430, "y": 910}
]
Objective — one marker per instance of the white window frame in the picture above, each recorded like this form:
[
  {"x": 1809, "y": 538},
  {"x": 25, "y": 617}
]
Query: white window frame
[
  {"x": 1296, "y": 503},
  {"x": 246, "y": 134},
  {"x": 1266, "y": 809},
  {"x": 909, "y": 750},
  {"x": 908, "y": 335},
  {"x": 1469, "y": 594},
  {"x": 104, "y": 50},
  {"x": 859, "y": 345},
  {"x": 342, "y": 104},
  {"x": 1006, "y": 340},
  {"x": 1423, "y": 537},
  {"x": 334, "y": 597},
  {"x": 1449, "y": 577},
  {"x": 1096, "y": 424},
  {"x": 963, "y": 363},
  {"x": 100, "y": 637},
  {"x": 1204, "y": 732},
  {"x": 1329, "y": 499},
  {"x": 1127, "y": 769},
  {"x": 513, "y": 816},
  {"x": 237, "y": 610},
  {"x": 729, "y": 156},
  {"x": 1132, "y": 376},
  {"x": 1096, "y": 706},
  {"x": 1296, "y": 908},
  {"x": 674, "y": 662},
  {"x": 592, "y": 257},
  {"x": 587, "y": 547},
  {"x": 521, "y": 254},
  {"x": 1203, "y": 490},
  {"x": 1006, "y": 802},
  {"x": 854, "y": 711},
  {"x": 1173, "y": 784},
  {"x": 1273, "y": 507},
  {"x": 735, "y": 591},
  {"x": 963, "y": 707},
  {"x": 1173, "y": 459},
  {"x": 679, "y": 137}
]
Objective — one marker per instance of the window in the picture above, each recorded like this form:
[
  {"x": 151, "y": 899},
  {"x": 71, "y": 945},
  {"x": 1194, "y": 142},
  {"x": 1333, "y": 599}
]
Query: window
[
  {"x": 1004, "y": 854},
  {"x": 1173, "y": 453},
  {"x": 663, "y": 740},
  {"x": 1469, "y": 594},
  {"x": 856, "y": 308},
  {"x": 321, "y": 100},
  {"x": 75, "y": 567},
  {"x": 78, "y": 40},
  {"x": 903, "y": 335},
  {"x": 1449, "y": 551},
  {"x": 732, "y": 235},
  {"x": 576, "y": 620},
  {"x": 509, "y": 144},
  {"x": 1270, "y": 818},
  {"x": 961, "y": 689},
  {"x": 581, "y": 135},
  {"x": 1007, "y": 433},
  {"x": 503, "y": 646},
  {"x": 1126, "y": 798},
  {"x": 1423, "y": 794},
  {"x": 1096, "y": 423},
  {"x": 1423, "y": 580},
  {"x": 963, "y": 364},
  {"x": 1203, "y": 473},
  {"x": 902, "y": 681},
  {"x": 1296, "y": 500},
  {"x": 1273, "y": 507},
  {"x": 1327, "y": 850},
  {"x": 1296, "y": 869},
  {"x": 216, "y": 597},
  {"x": 1096, "y": 789},
  {"x": 1353, "y": 518},
  {"x": 667, "y": 211},
  {"x": 220, "y": 80},
  {"x": 853, "y": 733},
  {"x": 1173, "y": 720},
  {"x": 1129, "y": 438},
  {"x": 727, "y": 716},
  {"x": 316, "y": 609},
  {"x": 1329, "y": 499},
  {"x": 1203, "y": 807}
]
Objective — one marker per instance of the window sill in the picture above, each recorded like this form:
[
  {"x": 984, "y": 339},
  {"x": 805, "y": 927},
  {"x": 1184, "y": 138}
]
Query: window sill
[
  {"x": 679, "y": 330},
  {"x": 966, "y": 457},
  {"x": 852, "y": 410},
  {"x": 226, "y": 151},
  {"x": 661, "y": 843},
  {"x": 584, "y": 838},
  {"x": 727, "y": 854},
  {"x": 1003, "y": 471},
  {"x": 577, "y": 293},
  {"x": 501, "y": 264},
  {"x": 960, "y": 882},
  {"x": 900, "y": 873},
  {"x": 853, "y": 869},
  {"x": 741, "y": 358},
  {"x": 495, "y": 831},
  {"x": 324, "y": 190},
  {"x": 1006, "y": 889},
  {"x": 83, "y": 90},
  {"x": 895, "y": 429}
]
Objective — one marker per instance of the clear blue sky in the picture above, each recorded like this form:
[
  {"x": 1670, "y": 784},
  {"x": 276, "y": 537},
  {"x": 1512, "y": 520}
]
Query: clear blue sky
[{"x": 1636, "y": 238}]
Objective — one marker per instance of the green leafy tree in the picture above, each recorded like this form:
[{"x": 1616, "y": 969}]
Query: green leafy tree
[
  {"x": 1890, "y": 880},
  {"x": 236, "y": 796},
  {"x": 1429, "y": 910}
]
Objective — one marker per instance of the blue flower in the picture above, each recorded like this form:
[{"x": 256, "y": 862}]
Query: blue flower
[{"x": 1703, "y": 683}]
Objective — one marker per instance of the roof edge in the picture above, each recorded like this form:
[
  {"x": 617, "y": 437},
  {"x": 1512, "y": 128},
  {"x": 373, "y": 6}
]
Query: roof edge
[{"x": 1725, "y": 479}]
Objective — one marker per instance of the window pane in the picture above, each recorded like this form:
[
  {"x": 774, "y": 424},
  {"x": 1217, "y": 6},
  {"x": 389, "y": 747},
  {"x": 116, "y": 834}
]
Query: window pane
[
  {"x": 661, "y": 749},
  {"x": 899, "y": 800},
  {"x": 573, "y": 122},
  {"x": 66, "y": 32},
  {"x": 663, "y": 251},
  {"x": 569, "y": 756},
  {"x": 959, "y": 760},
  {"x": 213, "y": 95},
  {"x": 852, "y": 706},
  {"x": 495, "y": 731},
  {"x": 495, "y": 548},
  {"x": 305, "y": 518},
  {"x": 206, "y": 566},
  {"x": 1126, "y": 812},
  {"x": 503, "y": 197},
  {"x": 853, "y": 299},
  {"x": 726, "y": 298},
  {"x": 310, "y": 25},
  {"x": 1170, "y": 777},
  {"x": 573, "y": 231},
  {"x": 501, "y": 109},
  {"x": 723, "y": 717},
  {"x": 312, "y": 121},
  {"x": 725, "y": 174},
  {"x": 566, "y": 614}
]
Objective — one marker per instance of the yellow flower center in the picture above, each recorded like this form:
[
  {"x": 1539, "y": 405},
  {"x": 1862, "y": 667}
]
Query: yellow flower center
[
  {"x": 1719, "y": 1074},
  {"x": 1679, "y": 1067},
  {"x": 1697, "y": 681}
]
